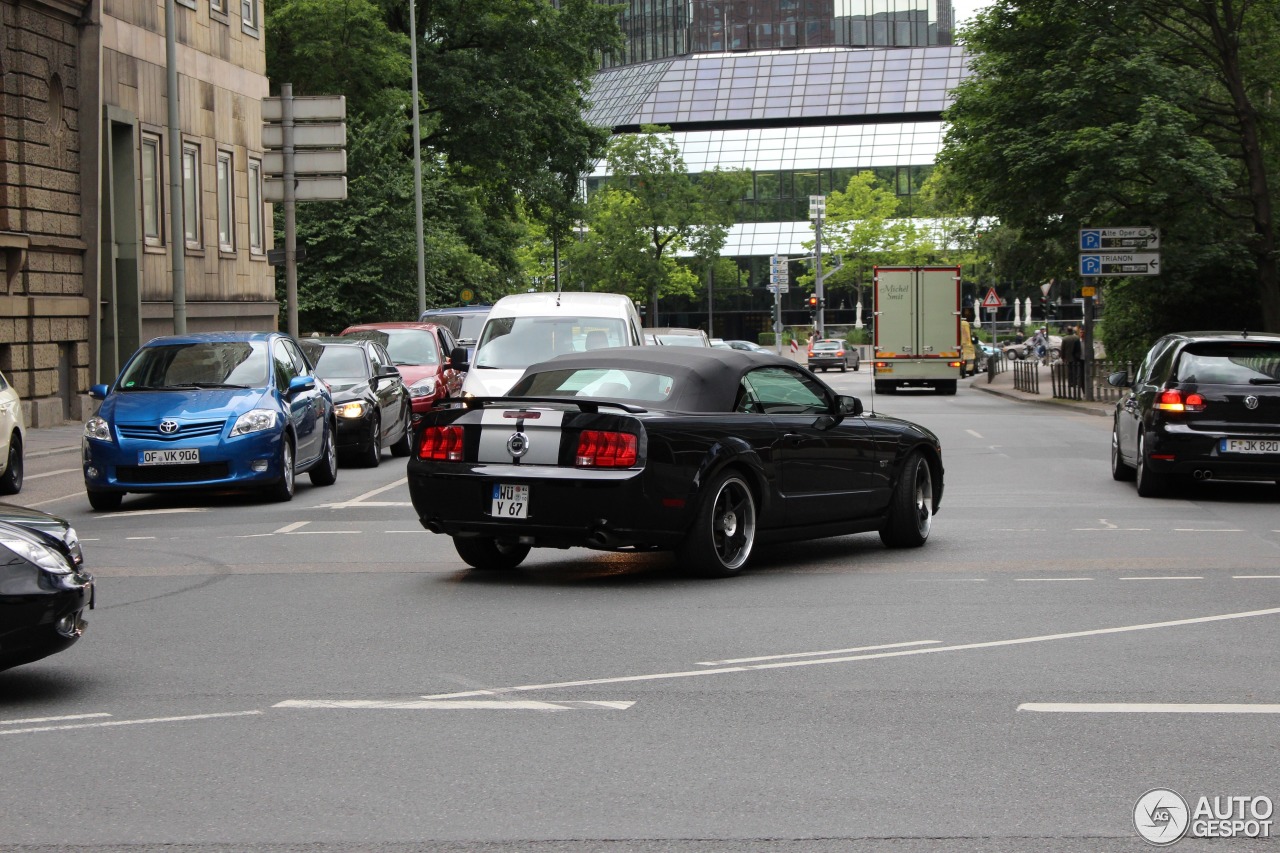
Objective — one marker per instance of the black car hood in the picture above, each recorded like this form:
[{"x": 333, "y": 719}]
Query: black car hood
[
  {"x": 344, "y": 390},
  {"x": 47, "y": 528}
]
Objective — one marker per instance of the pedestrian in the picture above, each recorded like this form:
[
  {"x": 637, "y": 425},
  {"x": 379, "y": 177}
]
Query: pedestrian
[
  {"x": 1040, "y": 344},
  {"x": 1073, "y": 359}
]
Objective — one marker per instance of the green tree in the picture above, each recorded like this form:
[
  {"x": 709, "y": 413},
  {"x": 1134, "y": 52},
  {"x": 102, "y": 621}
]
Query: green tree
[
  {"x": 1142, "y": 113},
  {"x": 649, "y": 210}
]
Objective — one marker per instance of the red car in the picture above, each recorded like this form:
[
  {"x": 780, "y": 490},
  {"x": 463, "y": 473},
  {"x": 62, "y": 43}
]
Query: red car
[{"x": 421, "y": 354}]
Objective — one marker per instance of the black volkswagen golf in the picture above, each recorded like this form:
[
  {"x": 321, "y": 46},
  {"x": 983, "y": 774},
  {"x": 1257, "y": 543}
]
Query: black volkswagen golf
[{"x": 1202, "y": 405}]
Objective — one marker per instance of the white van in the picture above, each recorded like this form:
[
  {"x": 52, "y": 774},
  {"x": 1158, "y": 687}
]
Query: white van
[{"x": 527, "y": 328}]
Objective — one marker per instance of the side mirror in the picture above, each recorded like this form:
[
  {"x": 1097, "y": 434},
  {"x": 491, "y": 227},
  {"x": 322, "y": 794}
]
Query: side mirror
[
  {"x": 847, "y": 405},
  {"x": 1119, "y": 379},
  {"x": 301, "y": 383},
  {"x": 459, "y": 358},
  {"x": 387, "y": 370},
  {"x": 99, "y": 392}
]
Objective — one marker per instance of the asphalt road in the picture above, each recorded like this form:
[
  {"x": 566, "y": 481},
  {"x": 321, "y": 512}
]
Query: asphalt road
[{"x": 323, "y": 675}]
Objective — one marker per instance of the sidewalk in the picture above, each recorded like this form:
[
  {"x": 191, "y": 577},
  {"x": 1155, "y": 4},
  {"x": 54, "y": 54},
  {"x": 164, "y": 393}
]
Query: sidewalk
[
  {"x": 49, "y": 441},
  {"x": 1002, "y": 386}
]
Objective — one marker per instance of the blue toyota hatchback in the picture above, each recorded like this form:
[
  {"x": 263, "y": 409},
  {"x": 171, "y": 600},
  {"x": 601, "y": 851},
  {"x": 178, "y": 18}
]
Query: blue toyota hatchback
[{"x": 217, "y": 410}]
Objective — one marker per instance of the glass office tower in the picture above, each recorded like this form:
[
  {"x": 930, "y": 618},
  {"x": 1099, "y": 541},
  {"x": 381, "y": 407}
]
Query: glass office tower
[{"x": 804, "y": 93}]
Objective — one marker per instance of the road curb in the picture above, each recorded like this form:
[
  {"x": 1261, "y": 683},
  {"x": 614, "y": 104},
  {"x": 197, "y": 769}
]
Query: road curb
[{"x": 1062, "y": 404}]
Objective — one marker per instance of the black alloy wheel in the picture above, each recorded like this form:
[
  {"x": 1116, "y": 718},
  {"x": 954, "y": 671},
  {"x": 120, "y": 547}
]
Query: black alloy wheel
[
  {"x": 488, "y": 554},
  {"x": 371, "y": 454},
  {"x": 1119, "y": 470},
  {"x": 283, "y": 489},
  {"x": 325, "y": 471},
  {"x": 911, "y": 507},
  {"x": 11, "y": 482},
  {"x": 724, "y": 531}
]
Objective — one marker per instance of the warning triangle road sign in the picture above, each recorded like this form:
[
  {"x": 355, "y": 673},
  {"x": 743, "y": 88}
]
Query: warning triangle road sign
[{"x": 992, "y": 299}]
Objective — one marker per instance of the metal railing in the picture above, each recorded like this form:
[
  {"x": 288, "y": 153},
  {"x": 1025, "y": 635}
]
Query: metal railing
[
  {"x": 1026, "y": 376},
  {"x": 1087, "y": 380}
]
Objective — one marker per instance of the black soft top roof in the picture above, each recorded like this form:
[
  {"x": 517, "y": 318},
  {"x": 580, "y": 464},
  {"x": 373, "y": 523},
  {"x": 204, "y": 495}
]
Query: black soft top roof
[{"x": 706, "y": 379}]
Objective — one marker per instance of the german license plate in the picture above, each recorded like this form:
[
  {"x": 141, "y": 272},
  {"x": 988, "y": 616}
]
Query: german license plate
[
  {"x": 185, "y": 456},
  {"x": 510, "y": 501},
  {"x": 1249, "y": 445}
]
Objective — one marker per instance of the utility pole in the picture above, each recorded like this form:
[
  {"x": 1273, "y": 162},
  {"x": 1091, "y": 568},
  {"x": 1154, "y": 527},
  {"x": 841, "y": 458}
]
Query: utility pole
[
  {"x": 178, "y": 234},
  {"x": 817, "y": 210},
  {"x": 417, "y": 161}
]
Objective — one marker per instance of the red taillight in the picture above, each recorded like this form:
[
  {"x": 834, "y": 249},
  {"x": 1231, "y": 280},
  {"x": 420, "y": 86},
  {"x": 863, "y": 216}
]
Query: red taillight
[
  {"x": 1172, "y": 401},
  {"x": 601, "y": 449},
  {"x": 443, "y": 444},
  {"x": 841, "y": 352},
  {"x": 810, "y": 353}
]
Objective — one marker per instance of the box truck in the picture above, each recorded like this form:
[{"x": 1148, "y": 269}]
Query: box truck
[{"x": 917, "y": 328}]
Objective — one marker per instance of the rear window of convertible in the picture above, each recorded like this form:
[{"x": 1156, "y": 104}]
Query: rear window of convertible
[{"x": 610, "y": 383}]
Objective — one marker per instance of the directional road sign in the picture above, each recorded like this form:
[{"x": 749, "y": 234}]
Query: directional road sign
[
  {"x": 1102, "y": 239},
  {"x": 1114, "y": 263}
]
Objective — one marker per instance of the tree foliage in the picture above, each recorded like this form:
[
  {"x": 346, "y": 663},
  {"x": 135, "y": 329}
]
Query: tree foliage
[{"x": 1154, "y": 112}]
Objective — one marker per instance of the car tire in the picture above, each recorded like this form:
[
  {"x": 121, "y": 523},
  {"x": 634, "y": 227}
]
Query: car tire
[
  {"x": 404, "y": 446},
  {"x": 488, "y": 554},
  {"x": 724, "y": 530},
  {"x": 857, "y": 364},
  {"x": 1119, "y": 470},
  {"x": 844, "y": 366},
  {"x": 325, "y": 471},
  {"x": 105, "y": 501},
  {"x": 11, "y": 482},
  {"x": 1150, "y": 484},
  {"x": 371, "y": 454},
  {"x": 911, "y": 507},
  {"x": 283, "y": 490}
]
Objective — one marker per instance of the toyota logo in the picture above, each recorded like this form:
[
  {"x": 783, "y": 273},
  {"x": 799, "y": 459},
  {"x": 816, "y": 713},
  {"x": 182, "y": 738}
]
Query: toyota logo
[
  {"x": 518, "y": 445},
  {"x": 168, "y": 427},
  {"x": 1251, "y": 402}
]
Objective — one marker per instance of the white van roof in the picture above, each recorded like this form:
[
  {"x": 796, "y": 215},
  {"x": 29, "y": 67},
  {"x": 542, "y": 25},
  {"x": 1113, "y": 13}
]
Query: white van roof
[{"x": 526, "y": 304}]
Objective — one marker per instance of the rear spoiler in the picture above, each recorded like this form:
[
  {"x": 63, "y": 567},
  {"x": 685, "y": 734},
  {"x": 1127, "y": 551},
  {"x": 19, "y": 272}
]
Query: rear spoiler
[{"x": 583, "y": 404}]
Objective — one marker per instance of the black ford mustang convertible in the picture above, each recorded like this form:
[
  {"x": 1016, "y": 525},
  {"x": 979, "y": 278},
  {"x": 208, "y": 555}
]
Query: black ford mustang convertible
[{"x": 702, "y": 451}]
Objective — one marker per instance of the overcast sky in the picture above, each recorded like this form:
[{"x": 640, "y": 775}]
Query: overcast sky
[{"x": 964, "y": 9}]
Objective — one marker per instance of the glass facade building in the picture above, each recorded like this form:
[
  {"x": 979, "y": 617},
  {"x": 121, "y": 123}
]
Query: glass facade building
[{"x": 803, "y": 93}]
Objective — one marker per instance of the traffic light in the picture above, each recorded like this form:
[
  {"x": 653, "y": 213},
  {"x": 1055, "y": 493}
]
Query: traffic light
[{"x": 813, "y": 302}]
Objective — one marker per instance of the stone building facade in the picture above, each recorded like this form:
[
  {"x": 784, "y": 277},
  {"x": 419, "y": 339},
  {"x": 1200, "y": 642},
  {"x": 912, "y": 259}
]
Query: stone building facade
[{"x": 86, "y": 235}]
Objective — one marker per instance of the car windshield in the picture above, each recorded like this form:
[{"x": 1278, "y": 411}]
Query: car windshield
[
  {"x": 339, "y": 361},
  {"x": 465, "y": 326},
  {"x": 827, "y": 345},
  {"x": 1230, "y": 364},
  {"x": 510, "y": 343},
  {"x": 611, "y": 383},
  {"x": 207, "y": 364},
  {"x": 680, "y": 340},
  {"x": 405, "y": 346}
]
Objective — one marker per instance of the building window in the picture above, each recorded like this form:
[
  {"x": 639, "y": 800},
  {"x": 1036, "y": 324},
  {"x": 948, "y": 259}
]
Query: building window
[
  {"x": 218, "y": 6},
  {"x": 256, "y": 243},
  {"x": 191, "y": 194},
  {"x": 152, "y": 205},
  {"x": 249, "y": 13},
  {"x": 226, "y": 204}
]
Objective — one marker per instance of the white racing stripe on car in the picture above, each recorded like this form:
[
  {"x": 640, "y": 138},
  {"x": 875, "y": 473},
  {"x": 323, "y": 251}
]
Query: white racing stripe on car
[{"x": 541, "y": 429}]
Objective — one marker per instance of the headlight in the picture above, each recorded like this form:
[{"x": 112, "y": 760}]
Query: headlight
[
  {"x": 423, "y": 388},
  {"x": 467, "y": 395},
  {"x": 98, "y": 429},
  {"x": 254, "y": 421},
  {"x": 350, "y": 410},
  {"x": 42, "y": 555},
  {"x": 72, "y": 541}
]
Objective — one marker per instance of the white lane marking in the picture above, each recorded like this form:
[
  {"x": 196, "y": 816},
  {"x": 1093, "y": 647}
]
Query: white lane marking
[
  {"x": 51, "y": 473},
  {"x": 819, "y": 654},
  {"x": 79, "y": 494},
  {"x": 170, "y": 511},
  {"x": 127, "y": 722},
  {"x": 289, "y": 528},
  {"x": 974, "y": 433},
  {"x": 1254, "y": 577},
  {"x": 361, "y": 499},
  {"x": 1017, "y": 530},
  {"x": 1145, "y": 708},
  {"x": 991, "y": 644},
  {"x": 137, "y": 538},
  {"x": 52, "y": 719},
  {"x": 1166, "y": 578},
  {"x": 362, "y": 504},
  {"x": 314, "y": 532},
  {"x": 1207, "y": 530},
  {"x": 948, "y": 580},
  {"x": 449, "y": 705},
  {"x": 420, "y": 530},
  {"x": 1029, "y": 580},
  {"x": 1110, "y": 526},
  {"x": 243, "y": 536}
]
